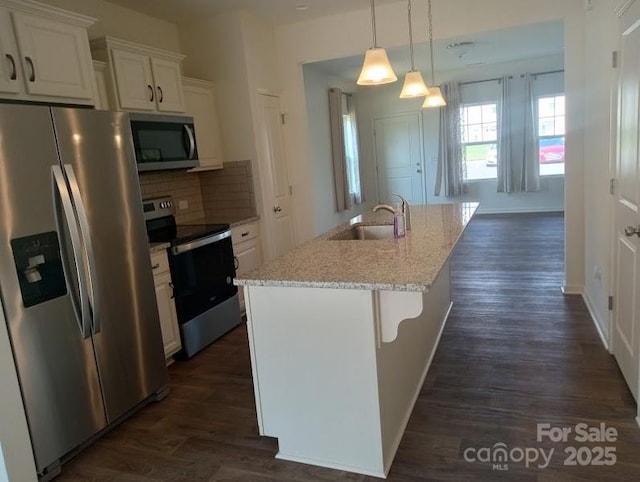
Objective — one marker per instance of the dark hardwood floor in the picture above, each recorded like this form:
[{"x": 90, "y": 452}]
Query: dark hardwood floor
[{"x": 515, "y": 353}]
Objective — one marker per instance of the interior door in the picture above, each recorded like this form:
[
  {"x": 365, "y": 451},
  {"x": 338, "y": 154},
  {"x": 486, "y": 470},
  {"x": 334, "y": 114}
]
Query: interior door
[
  {"x": 398, "y": 141},
  {"x": 626, "y": 335},
  {"x": 278, "y": 209}
]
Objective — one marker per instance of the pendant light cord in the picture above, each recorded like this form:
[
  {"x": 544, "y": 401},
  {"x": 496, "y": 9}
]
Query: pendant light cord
[
  {"x": 433, "y": 77},
  {"x": 373, "y": 23},
  {"x": 413, "y": 68}
]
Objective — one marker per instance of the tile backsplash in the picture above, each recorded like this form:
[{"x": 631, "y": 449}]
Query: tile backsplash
[
  {"x": 227, "y": 194},
  {"x": 182, "y": 186},
  {"x": 221, "y": 196}
]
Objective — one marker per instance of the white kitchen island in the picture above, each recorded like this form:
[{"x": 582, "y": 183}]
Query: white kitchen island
[{"x": 342, "y": 333}]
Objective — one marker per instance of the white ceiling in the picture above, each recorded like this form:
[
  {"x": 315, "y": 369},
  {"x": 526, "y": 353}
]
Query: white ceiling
[
  {"x": 280, "y": 11},
  {"x": 524, "y": 42}
]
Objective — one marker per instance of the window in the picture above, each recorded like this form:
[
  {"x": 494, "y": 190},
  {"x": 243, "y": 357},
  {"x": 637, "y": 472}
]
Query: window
[
  {"x": 551, "y": 134},
  {"x": 344, "y": 147},
  {"x": 351, "y": 149},
  {"x": 479, "y": 124}
]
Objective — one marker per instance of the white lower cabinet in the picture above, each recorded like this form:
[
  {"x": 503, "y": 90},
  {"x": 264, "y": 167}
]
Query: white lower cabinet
[
  {"x": 166, "y": 305},
  {"x": 246, "y": 249}
]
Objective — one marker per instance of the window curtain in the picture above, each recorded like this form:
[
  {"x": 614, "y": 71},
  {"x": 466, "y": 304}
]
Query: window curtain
[
  {"x": 518, "y": 165},
  {"x": 451, "y": 172},
  {"x": 531, "y": 168},
  {"x": 507, "y": 180},
  {"x": 344, "y": 149}
]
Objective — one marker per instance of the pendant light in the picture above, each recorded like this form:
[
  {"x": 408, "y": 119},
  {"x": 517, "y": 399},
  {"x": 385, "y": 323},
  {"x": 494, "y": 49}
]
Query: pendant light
[
  {"x": 414, "y": 85},
  {"x": 434, "y": 98},
  {"x": 376, "y": 69}
]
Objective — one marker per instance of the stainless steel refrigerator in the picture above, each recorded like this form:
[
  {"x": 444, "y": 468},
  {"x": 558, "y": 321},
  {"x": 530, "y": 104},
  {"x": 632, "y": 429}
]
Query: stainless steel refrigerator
[{"x": 75, "y": 276}]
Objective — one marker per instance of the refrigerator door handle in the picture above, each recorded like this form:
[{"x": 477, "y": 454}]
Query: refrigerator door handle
[
  {"x": 88, "y": 246},
  {"x": 62, "y": 201}
]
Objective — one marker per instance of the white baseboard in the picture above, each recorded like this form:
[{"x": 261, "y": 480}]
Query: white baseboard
[
  {"x": 604, "y": 335},
  {"x": 572, "y": 289}
]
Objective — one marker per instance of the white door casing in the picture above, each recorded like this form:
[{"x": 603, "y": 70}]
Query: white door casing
[
  {"x": 276, "y": 191},
  {"x": 625, "y": 339},
  {"x": 399, "y": 157}
]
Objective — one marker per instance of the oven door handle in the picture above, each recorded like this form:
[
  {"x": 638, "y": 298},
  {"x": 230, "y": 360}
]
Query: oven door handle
[{"x": 198, "y": 243}]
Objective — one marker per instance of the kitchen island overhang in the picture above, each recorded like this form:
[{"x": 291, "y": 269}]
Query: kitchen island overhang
[{"x": 338, "y": 361}]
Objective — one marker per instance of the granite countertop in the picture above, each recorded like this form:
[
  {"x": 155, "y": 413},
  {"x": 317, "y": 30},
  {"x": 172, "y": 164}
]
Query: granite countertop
[
  {"x": 158, "y": 247},
  {"x": 411, "y": 263},
  {"x": 235, "y": 224}
]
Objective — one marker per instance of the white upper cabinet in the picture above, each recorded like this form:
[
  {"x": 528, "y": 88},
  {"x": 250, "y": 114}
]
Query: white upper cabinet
[
  {"x": 44, "y": 54},
  {"x": 201, "y": 105},
  {"x": 167, "y": 77},
  {"x": 142, "y": 78}
]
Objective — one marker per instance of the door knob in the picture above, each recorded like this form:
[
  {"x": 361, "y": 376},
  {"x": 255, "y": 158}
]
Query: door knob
[
  {"x": 277, "y": 209},
  {"x": 631, "y": 230}
]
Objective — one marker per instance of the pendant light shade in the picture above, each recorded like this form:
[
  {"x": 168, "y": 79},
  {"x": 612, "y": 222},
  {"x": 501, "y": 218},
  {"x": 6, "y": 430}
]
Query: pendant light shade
[
  {"x": 414, "y": 85},
  {"x": 376, "y": 69},
  {"x": 435, "y": 97}
]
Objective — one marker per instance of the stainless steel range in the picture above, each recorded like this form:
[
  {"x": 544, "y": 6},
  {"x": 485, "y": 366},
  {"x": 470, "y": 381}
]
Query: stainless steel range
[{"x": 202, "y": 271}]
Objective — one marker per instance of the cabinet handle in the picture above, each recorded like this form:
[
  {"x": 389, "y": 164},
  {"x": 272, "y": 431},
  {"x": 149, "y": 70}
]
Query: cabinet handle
[
  {"x": 160, "y": 94},
  {"x": 14, "y": 74},
  {"x": 155, "y": 266},
  {"x": 173, "y": 294},
  {"x": 32, "y": 77},
  {"x": 151, "y": 92},
  {"x": 246, "y": 233},
  {"x": 277, "y": 209},
  {"x": 236, "y": 262}
]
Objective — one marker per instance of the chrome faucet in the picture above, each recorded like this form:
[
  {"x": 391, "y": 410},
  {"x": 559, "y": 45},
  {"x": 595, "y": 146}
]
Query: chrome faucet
[{"x": 405, "y": 210}]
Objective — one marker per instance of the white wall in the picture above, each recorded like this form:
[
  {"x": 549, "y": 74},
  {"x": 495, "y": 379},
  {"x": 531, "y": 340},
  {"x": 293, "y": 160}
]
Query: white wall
[
  {"x": 317, "y": 85},
  {"x": 350, "y": 33},
  {"x": 123, "y": 23},
  {"x": 383, "y": 101},
  {"x": 600, "y": 87}
]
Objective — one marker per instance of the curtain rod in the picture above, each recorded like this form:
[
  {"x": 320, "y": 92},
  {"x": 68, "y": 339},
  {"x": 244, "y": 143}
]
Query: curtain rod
[{"x": 497, "y": 79}]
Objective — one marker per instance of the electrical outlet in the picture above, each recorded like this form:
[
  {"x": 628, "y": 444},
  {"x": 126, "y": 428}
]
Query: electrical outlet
[{"x": 183, "y": 204}]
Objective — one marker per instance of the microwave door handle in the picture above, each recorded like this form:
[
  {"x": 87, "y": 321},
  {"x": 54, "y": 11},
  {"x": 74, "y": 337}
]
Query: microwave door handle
[
  {"x": 88, "y": 245},
  {"x": 64, "y": 207},
  {"x": 191, "y": 147}
]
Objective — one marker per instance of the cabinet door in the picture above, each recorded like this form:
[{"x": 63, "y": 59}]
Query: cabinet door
[
  {"x": 248, "y": 256},
  {"x": 200, "y": 104},
  {"x": 134, "y": 81},
  {"x": 167, "y": 312},
  {"x": 10, "y": 72},
  {"x": 55, "y": 57},
  {"x": 168, "y": 83}
]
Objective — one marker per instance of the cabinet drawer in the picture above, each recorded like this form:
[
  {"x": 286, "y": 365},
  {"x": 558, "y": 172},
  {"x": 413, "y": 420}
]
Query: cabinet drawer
[
  {"x": 159, "y": 263},
  {"x": 240, "y": 234}
]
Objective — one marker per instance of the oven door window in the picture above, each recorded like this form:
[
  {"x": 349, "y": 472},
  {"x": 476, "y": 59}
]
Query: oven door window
[{"x": 202, "y": 278}]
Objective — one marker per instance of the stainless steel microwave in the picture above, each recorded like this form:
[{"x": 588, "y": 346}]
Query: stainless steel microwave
[{"x": 164, "y": 142}]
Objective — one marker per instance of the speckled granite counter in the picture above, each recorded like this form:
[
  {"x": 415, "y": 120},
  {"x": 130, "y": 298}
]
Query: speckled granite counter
[
  {"x": 411, "y": 263},
  {"x": 235, "y": 224},
  {"x": 158, "y": 247}
]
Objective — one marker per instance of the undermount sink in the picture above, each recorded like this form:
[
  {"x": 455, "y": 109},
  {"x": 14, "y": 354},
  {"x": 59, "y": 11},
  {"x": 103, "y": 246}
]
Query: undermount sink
[{"x": 364, "y": 232}]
